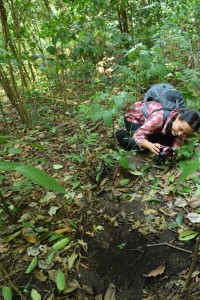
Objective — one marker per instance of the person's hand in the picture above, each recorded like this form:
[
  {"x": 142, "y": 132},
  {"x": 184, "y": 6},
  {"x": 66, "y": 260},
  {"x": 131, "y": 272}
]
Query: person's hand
[{"x": 154, "y": 148}]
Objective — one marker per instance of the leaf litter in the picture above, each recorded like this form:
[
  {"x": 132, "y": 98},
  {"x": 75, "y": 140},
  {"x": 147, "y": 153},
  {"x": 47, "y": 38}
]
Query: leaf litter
[{"x": 93, "y": 242}]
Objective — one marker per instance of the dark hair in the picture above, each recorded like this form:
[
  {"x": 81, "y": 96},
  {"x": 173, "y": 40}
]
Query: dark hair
[{"x": 192, "y": 117}]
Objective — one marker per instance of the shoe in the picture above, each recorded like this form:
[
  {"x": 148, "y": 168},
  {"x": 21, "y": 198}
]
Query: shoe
[
  {"x": 125, "y": 141},
  {"x": 120, "y": 134}
]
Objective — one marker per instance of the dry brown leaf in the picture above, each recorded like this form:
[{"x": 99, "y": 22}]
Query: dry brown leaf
[
  {"x": 90, "y": 233},
  {"x": 40, "y": 276},
  {"x": 167, "y": 212},
  {"x": 64, "y": 230},
  {"x": 30, "y": 239},
  {"x": 158, "y": 271},
  {"x": 194, "y": 201},
  {"x": 110, "y": 293},
  {"x": 150, "y": 211}
]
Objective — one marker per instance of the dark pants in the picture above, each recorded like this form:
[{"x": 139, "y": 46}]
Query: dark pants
[{"x": 126, "y": 141}]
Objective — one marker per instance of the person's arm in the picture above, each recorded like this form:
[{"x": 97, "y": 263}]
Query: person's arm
[
  {"x": 153, "y": 123},
  {"x": 153, "y": 147}
]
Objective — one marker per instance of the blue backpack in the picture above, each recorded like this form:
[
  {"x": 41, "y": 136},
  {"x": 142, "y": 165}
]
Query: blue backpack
[{"x": 165, "y": 94}]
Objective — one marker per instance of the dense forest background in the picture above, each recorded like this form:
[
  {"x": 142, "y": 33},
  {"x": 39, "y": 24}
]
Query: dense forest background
[
  {"x": 46, "y": 45},
  {"x": 68, "y": 70}
]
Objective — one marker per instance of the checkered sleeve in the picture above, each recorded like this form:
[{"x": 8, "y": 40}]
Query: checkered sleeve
[{"x": 152, "y": 124}]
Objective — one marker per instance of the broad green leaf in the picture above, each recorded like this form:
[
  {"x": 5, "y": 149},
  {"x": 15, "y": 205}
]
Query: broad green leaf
[
  {"x": 127, "y": 96},
  {"x": 153, "y": 200},
  {"x": 60, "y": 281},
  {"x": 61, "y": 244},
  {"x": 14, "y": 150},
  {"x": 123, "y": 162},
  {"x": 54, "y": 237},
  {"x": 124, "y": 182},
  {"x": 187, "y": 235},
  {"x": 76, "y": 184},
  {"x": 145, "y": 59},
  {"x": 108, "y": 118},
  {"x": 51, "y": 50},
  {"x": 51, "y": 257},
  {"x": 35, "y": 295},
  {"x": 160, "y": 69},
  {"x": 8, "y": 166},
  {"x": 32, "y": 265},
  {"x": 189, "y": 170},
  {"x": 35, "y": 175},
  {"x": 136, "y": 173},
  {"x": 98, "y": 115},
  {"x": 4, "y": 138},
  {"x": 118, "y": 100},
  {"x": 41, "y": 178},
  {"x": 7, "y": 293},
  {"x": 37, "y": 146},
  {"x": 171, "y": 178}
]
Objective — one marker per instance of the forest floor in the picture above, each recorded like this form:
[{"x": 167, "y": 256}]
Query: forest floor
[{"x": 123, "y": 226}]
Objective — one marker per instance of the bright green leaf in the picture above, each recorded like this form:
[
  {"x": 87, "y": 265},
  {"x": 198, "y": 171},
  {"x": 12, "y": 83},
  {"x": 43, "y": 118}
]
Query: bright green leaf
[
  {"x": 41, "y": 178},
  {"x": 35, "y": 295},
  {"x": 60, "y": 281},
  {"x": 123, "y": 162},
  {"x": 8, "y": 166},
  {"x": 108, "y": 118},
  {"x": 118, "y": 100},
  {"x": 189, "y": 170},
  {"x": 51, "y": 50},
  {"x": 124, "y": 182},
  {"x": 32, "y": 265},
  {"x": 61, "y": 244},
  {"x": 7, "y": 293},
  {"x": 187, "y": 235},
  {"x": 51, "y": 257}
]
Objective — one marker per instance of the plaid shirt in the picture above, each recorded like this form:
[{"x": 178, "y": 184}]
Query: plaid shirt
[{"x": 154, "y": 123}]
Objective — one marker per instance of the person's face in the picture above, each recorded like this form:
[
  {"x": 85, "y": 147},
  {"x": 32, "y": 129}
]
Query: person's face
[{"x": 181, "y": 128}]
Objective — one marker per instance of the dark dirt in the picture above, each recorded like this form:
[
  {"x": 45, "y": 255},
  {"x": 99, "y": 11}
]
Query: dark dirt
[{"x": 123, "y": 257}]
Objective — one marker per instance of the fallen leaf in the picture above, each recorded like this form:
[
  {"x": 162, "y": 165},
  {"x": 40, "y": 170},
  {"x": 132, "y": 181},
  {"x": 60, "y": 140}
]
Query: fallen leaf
[
  {"x": 167, "y": 212},
  {"x": 11, "y": 237},
  {"x": 71, "y": 260},
  {"x": 150, "y": 211},
  {"x": 158, "y": 271},
  {"x": 83, "y": 244},
  {"x": 193, "y": 217},
  {"x": 194, "y": 202},
  {"x": 57, "y": 167},
  {"x": 63, "y": 230},
  {"x": 53, "y": 210},
  {"x": 33, "y": 251},
  {"x": 40, "y": 276},
  {"x": 181, "y": 202},
  {"x": 30, "y": 239},
  {"x": 110, "y": 292}
]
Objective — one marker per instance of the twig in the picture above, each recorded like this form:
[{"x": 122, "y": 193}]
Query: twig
[
  {"x": 169, "y": 245},
  {"x": 10, "y": 282},
  {"x": 193, "y": 264}
]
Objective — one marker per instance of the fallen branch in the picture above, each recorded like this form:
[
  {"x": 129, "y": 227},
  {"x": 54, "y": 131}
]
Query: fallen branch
[
  {"x": 193, "y": 264},
  {"x": 169, "y": 245}
]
